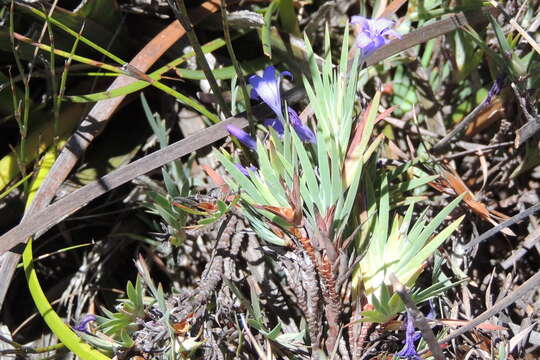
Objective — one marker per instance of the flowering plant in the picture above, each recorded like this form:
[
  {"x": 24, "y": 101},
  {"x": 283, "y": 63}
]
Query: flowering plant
[
  {"x": 319, "y": 189},
  {"x": 315, "y": 190},
  {"x": 312, "y": 241}
]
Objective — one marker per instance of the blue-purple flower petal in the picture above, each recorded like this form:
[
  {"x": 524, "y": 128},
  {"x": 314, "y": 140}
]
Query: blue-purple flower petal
[
  {"x": 495, "y": 89},
  {"x": 268, "y": 89},
  {"x": 373, "y": 33},
  {"x": 362, "y": 21},
  {"x": 381, "y": 25},
  {"x": 276, "y": 124},
  {"x": 82, "y": 325},
  {"x": 243, "y": 136},
  {"x": 244, "y": 170},
  {"x": 409, "y": 350},
  {"x": 253, "y": 94},
  {"x": 286, "y": 73},
  {"x": 303, "y": 131}
]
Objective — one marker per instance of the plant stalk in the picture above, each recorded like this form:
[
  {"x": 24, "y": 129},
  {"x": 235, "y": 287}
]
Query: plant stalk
[{"x": 179, "y": 9}]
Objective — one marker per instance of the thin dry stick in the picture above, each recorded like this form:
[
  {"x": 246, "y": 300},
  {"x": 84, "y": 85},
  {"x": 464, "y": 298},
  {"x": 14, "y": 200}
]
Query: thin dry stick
[
  {"x": 459, "y": 130},
  {"x": 419, "y": 319},
  {"x": 495, "y": 230},
  {"x": 251, "y": 339},
  {"x": 532, "y": 126},
  {"x": 502, "y": 304},
  {"x": 473, "y": 151},
  {"x": 528, "y": 244},
  {"x": 425, "y": 33}
]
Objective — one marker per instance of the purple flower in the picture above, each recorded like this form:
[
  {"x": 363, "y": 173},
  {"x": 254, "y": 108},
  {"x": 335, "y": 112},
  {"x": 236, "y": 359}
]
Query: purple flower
[
  {"x": 409, "y": 350},
  {"x": 495, "y": 89},
  {"x": 245, "y": 171},
  {"x": 276, "y": 124},
  {"x": 82, "y": 325},
  {"x": 267, "y": 88},
  {"x": 303, "y": 132},
  {"x": 373, "y": 33},
  {"x": 243, "y": 136}
]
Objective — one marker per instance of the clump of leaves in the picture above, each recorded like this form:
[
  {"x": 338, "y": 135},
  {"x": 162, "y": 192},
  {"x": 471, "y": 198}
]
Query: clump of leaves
[{"x": 119, "y": 327}]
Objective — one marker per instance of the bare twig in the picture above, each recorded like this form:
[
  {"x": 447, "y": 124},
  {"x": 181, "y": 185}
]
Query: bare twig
[
  {"x": 516, "y": 26},
  {"x": 502, "y": 304},
  {"x": 252, "y": 339},
  {"x": 530, "y": 241},
  {"x": 481, "y": 149},
  {"x": 459, "y": 130},
  {"x": 532, "y": 126},
  {"x": 495, "y": 230}
]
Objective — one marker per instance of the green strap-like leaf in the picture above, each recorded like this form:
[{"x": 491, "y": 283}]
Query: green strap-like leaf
[
  {"x": 88, "y": 42},
  {"x": 182, "y": 98},
  {"x": 225, "y": 73},
  {"x": 288, "y": 19},
  {"x": 265, "y": 32},
  {"x": 55, "y": 323}
]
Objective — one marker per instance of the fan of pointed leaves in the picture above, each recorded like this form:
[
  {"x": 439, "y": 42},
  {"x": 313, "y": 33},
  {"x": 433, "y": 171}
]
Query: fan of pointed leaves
[
  {"x": 402, "y": 250},
  {"x": 322, "y": 185}
]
